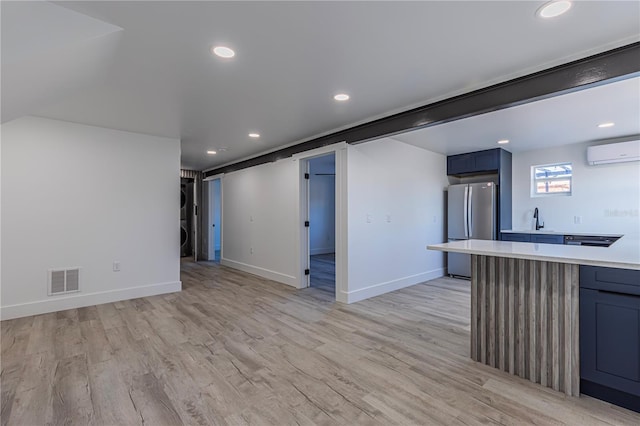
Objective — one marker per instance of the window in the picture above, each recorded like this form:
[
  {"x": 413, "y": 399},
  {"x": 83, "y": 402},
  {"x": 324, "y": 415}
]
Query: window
[{"x": 551, "y": 179}]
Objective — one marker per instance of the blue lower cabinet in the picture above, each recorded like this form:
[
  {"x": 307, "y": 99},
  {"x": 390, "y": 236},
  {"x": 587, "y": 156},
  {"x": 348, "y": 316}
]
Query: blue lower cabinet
[
  {"x": 610, "y": 335},
  {"x": 532, "y": 238},
  {"x": 509, "y": 236},
  {"x": 547, "y": 239}
]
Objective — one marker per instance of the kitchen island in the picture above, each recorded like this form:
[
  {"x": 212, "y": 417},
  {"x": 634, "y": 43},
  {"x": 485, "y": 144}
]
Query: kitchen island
[{"x": 525, "y": 304}]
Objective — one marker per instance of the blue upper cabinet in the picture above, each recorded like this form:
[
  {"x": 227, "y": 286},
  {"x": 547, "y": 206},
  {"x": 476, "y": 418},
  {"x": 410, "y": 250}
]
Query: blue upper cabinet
[
  {"x": 474, "y": 162},
  {"x": 486, "y": 161},
  {"x": 459, "y": 164}
]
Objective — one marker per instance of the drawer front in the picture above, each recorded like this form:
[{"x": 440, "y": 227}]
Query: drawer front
[
  {"x": 508, "y": 236},
  {"x": 547, "y": 239},
  {"x": 610, "y": 279}
]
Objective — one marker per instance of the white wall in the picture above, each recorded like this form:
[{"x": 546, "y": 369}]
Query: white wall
[
  {"x": 322, "y": 207},
  {"x": 396, "y": 208},
  {"x": 261, "y": 211},
  {"x": 607, "y": 197},
  {"x": 83, "y": 196},
  {"x": 260, "y": 214}
]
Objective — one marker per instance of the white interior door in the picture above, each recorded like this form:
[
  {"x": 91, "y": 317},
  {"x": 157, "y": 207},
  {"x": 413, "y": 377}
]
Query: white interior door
[
  {"x": 217, "y": 218},
  {"x": 206, "y": 221},
  {"x": 214, "y": 215}
]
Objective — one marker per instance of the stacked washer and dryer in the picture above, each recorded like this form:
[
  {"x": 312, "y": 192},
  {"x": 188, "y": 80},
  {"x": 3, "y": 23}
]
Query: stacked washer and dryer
[{"x": 186, "y": 217}]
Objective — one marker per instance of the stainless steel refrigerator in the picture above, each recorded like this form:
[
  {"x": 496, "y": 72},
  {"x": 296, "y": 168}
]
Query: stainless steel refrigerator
[{"x": 471, "y": 215}]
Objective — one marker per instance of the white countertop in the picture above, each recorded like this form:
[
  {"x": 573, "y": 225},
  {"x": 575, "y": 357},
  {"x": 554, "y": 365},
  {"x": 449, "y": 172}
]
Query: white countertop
[
  {"x": 552, "y": 232},
  {"x": 624, "y": 253}
]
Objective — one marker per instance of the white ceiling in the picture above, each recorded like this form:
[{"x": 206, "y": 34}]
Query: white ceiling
[
  {"x": 561, "y": 120},
  {"x": 147, "y": 67},
  {"x": 49, "y": 53}
]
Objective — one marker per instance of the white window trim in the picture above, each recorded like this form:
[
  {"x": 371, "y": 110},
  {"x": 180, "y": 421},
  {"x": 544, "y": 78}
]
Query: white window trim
[{"x": 534, "y": 181}]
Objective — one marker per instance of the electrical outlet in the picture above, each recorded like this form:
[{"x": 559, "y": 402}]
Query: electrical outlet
[
  {"x": 116, "y": 266},
  {"x": 577, "y": 220},
  {"x": 388, "y": 218},
  {"x": 251, "y": 250},
  {"x": 369, "y": 218}
]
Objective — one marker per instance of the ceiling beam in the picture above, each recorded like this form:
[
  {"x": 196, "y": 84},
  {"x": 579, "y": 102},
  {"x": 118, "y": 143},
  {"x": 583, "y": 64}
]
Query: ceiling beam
[{"x": 584, "y": 73}]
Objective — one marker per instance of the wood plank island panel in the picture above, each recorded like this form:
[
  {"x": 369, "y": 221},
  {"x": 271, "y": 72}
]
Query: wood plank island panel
[{"x": 524, "y": 319}]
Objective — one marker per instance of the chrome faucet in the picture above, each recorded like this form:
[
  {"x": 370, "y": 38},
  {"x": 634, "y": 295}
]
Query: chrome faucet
[{"x": 536, "y": 217}]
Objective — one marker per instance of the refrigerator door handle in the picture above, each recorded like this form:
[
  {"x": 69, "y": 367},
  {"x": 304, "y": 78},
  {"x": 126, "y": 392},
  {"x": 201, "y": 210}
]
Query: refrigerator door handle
[
  {"x": 465, "y": 209},
  {"x": 470, "y": 211}
]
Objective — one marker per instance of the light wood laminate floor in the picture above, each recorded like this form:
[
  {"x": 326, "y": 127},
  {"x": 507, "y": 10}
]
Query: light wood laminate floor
[
  {"x": 235, "y": 349},
  {"x": 323, "y": 272}
]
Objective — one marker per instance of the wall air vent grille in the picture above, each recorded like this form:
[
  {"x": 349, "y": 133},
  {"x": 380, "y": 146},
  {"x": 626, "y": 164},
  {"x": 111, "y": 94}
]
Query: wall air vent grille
[
  {"x": 57, "y": 282},
  {"x": 62, "y": 281},
  {"x": 73, "y": 280}
]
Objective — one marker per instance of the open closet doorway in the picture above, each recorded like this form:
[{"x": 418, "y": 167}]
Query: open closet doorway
[
  {"x": 188, "y": 217},
  {"x": 214, "y": 219},
  {"x": 321, "y": 202}
]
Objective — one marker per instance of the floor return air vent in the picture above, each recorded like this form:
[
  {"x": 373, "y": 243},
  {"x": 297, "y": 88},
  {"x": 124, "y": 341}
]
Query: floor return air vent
[{"x": 62, "y": 281}]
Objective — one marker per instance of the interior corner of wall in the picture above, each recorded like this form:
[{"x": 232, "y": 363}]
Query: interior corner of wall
[{"x": 379, "y": 289}]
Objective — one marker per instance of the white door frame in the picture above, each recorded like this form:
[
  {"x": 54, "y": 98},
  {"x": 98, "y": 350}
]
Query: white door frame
[
  {"x": 341, "y": 218},
  {"x": 305, "y": 215},
  {"x": 204, "y": 221}
]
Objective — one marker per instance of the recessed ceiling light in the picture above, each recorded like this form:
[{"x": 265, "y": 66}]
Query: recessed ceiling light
[
  {"x": 554, "y": 8},
  {"x": 503, "y": 141},
  {"x": 211, "y": 152},
  {"x": 254, "y": 135},
  {"x": 609, "y": 124},
  {"x": 223, "y": 52},
  {"x": 341, "y": 97}
]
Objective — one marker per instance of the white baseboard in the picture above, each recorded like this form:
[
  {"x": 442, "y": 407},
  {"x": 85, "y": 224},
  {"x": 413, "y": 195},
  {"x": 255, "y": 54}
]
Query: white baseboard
[
  {"x": 386, "y": 287},
  {"x": 80, "y": 300},
  {"x": 342, "y": 297},
  {"x": 322, "y": 250},
  {"x": 261, "y": 272}
]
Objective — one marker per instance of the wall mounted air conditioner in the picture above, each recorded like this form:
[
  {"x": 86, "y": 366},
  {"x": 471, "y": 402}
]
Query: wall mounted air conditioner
[{"x": 614, "y": 153}]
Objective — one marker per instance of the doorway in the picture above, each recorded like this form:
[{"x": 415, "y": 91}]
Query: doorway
[
  {"x": 213, "y": 216},
  {"x": 321, "y": 209},
  {"x": 187, "y": 217}
]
